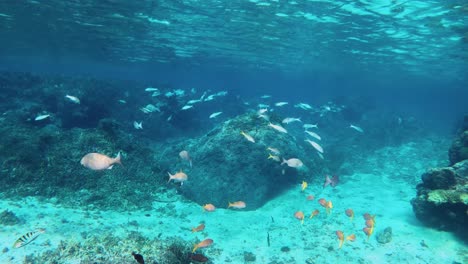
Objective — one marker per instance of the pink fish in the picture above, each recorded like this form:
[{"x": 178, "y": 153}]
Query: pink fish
[
  {"x": 178, "y": 177},
  {"x": 97, "y": 161},
  {"x": 185, "y": 156},
  {"x": 332, "y": 182}
]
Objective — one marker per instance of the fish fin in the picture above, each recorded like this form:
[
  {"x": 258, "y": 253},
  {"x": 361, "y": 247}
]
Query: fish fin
[
  {"x": 110, "y": 167},
  {"x": 170, "y": 176},
  {"x": 117, "y": 159}
]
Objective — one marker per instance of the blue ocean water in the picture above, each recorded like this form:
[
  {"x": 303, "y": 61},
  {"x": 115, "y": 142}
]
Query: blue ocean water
[{"x": 397, "y": 70}]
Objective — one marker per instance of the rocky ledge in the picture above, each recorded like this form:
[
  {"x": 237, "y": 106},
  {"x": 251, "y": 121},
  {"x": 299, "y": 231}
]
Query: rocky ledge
[{"x": 442, "y": 197}]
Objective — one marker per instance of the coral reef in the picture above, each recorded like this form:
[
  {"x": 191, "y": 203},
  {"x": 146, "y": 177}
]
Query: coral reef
[
  {"x": 227, "y": 167},
  {"x": 384, "y": 236},
  {"x": 442, "y": 197},
  {"x": 459, "y": 149},
  {"x": 41, "y": 158},
  {"x": 108, "y": 248},
  {"x": 9, "y": 218}
]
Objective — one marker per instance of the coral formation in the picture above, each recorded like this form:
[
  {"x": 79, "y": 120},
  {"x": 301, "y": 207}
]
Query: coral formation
[
  {"x": 9, "y": 218},
  {"x": 442, "y": 197},
  {"x": 384, "y": 236},
  {"x": 108, "y": 248},
  {"x": 459, "y": 149}
]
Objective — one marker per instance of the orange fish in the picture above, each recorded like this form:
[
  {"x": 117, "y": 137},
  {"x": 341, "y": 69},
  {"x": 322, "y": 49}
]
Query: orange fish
[
  {"x": 178, "y": 177},
  {"x": 367, "y": 216},
  {"x": 340, "y": 236},
  {"x": 185, "y": 156},
  {"x": 209, "y": 208},
  {"x": 314, "y": 213},
  {"x": 201, "y": 227},
  {"x": 97, "y": 161},
  {"x": 310, "y": 197},
  {"x": 350, "y": 213},
  {"x": 351, "y": 237},
  {"x": 205, "y": 243},
  {"x": 237, "y": 205},
  {"x": 300, "y": 216},
  {"x": 323, "y": 202},
  {"x": 370, "y": 223},
  {"x": 368, "y": 231}
]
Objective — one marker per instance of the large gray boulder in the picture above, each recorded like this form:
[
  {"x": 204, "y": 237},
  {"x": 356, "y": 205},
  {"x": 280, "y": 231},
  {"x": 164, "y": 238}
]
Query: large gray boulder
[{"x": 227, "y": 167}]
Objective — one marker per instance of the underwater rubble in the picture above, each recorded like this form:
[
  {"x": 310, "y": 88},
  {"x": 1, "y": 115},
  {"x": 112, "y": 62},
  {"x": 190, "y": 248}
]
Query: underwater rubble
[{"x": 442, "y": 197}]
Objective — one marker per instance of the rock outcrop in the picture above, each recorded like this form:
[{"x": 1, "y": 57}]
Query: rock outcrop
[
  {"x": 442, "y": 197},
  {"x": 459, "y": 149},
  {"x": 227, "y": 167}
]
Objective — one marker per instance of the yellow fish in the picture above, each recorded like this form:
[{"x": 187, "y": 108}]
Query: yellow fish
[{"x": 303, "y": 186}]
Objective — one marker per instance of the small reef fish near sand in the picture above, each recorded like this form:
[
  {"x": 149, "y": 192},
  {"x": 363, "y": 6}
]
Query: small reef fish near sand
[
  {"x": 178, "y": 177},
  {"x": 357, "y": 128},
  {"x": 331, "y": 181},
  {"x": 303, "y": 186},
  {"x": 300, "y": 216},
  {"x": 73, "y": 99},
  {"x": 205, "y": 243},
  {"x": 294, "y": 163},
  {"x": 341, "y": 237},
  {"x": 41, "y": 117},
  {"x": 186, "y": 107},
  {"x": 315, "y": 145},
  {"x": 350, "y": 213},
  {"x": 28, "y": 238},
  {"x": 314, "y": 213},
  {"x": 184, "y": 155},
  {"x": 97, "y": 161},
  {"x": 214, "y": 115},
  {"x": 237, "y": 205},
  {"x": 248, "y": 137},
  {"x": 199, "y": 228},
  {"x": 209, "y": 207},
  {"x": 278, "y": 128}
]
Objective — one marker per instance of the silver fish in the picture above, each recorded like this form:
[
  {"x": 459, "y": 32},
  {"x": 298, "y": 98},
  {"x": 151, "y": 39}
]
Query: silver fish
[{"x": 357, "y": 128}]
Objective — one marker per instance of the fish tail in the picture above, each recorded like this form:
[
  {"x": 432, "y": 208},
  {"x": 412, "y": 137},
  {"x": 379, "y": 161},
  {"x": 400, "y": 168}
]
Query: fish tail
[
  {"x": 117, "y": 159},
  {"x": 170, "y": 177},
  {"x": 194, "y": 248}
]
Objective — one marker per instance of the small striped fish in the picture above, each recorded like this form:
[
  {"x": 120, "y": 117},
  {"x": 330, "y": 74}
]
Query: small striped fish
[{"x": 28, "y": 238}]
